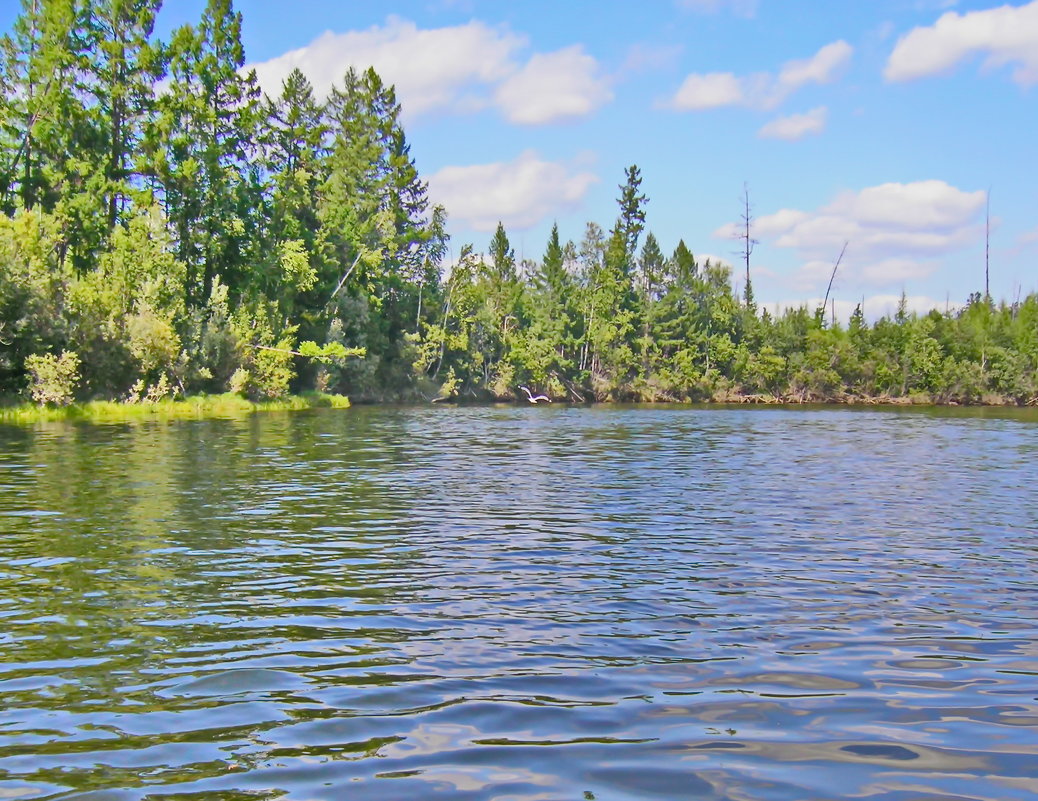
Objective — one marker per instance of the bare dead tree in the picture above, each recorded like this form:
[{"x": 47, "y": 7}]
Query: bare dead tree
[
  {"x": 987, "y": 247},
  {"x": 836, "y": 267},
  {"x": 745, "y": 236}
]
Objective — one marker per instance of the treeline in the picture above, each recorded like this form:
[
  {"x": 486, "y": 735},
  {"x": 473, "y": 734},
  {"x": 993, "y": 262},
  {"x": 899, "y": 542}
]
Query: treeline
[
  {"x": 609, "y": 320},
  {"x": 168, "y": 230}
]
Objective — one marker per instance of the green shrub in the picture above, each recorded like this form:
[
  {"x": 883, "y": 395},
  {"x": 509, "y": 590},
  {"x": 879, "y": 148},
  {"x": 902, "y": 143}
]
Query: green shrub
[
  {"x": 271, "y": 372},
  {"x": 54, "y": 378}
]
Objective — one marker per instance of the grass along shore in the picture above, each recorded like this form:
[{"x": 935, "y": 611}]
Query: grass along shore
[
  {"x": 193, "y": 407},
  {"x": 230, "y": 405}
]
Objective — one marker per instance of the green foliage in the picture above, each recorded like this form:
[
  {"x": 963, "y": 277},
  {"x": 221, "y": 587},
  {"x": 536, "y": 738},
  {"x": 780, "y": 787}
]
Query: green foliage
[
  {"x": 270, "y": 372},
  {"x": 195, "y": 407},
  {"x": 331, "y": 353},
  {"x": 181, "y": 241},
  {"x": 54, "y": 378}
]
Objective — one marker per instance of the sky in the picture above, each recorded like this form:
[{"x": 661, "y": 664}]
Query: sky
[{"x": 903, "y": 129}]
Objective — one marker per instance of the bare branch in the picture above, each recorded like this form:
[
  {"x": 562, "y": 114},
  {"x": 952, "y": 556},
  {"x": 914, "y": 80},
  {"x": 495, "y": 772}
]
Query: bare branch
[
  {"x": 833, "y": 276},
  {"x": 343, "y": 279}
]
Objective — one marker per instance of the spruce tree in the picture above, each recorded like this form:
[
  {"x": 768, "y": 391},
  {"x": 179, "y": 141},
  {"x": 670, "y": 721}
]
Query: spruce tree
[
  {"x": 123, "y": 72},
  {"x": 202, "y": 152}
]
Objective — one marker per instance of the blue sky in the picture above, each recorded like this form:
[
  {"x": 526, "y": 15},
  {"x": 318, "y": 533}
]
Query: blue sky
[{"x": 882, "y": 124}]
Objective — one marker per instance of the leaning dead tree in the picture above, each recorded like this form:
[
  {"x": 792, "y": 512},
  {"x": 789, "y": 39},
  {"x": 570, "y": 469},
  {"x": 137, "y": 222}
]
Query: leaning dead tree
[{"x": 832, "y": 277}]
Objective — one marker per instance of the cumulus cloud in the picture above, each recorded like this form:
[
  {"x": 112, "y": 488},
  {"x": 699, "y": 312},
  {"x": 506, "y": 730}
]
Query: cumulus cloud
[
  {"x": 433, "y": 68},
  {"x": 712, "y": 90},
  {"x": 1005, "y": 35},
  {"x": 553, "y": 86},
  {"x": 519, "y": 193},
  {"x": 795, "y": 126},
  {"x": 896, "y": 232},
  {"x": 763, "y": 90},
  {"x": 822, "y": 67},
  {"x": 920, "y": 205},
  {"x": 458, "y": 68}
]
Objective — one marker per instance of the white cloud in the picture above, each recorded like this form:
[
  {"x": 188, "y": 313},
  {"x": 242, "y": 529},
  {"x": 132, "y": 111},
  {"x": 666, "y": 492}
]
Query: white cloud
[
  {"x": 431, "y": 68},
  {"x": 519, "y": 193},
  {"x": 893, "y": 271},
  {"x": 895, "y": 232},
  {"x": 740, "y": 8},
  {"x": 918, "y": 205},
  {"x": 553, "y": 86},
  {"x": 1007, "y": 35},
  {"x": 713, "y": 90},
  {"x": 761, "y": 90},
  {"x": 795, "y": 126},
  {"x": 459, "y": 68},
  {"x": 773, "y": 224},
  {"x": 822, "y": 67}
]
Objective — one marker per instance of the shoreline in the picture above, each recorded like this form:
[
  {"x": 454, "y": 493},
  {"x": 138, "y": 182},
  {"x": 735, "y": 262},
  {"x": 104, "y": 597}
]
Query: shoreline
[
  {"x": 230, "y": 405},
  {"x": 194, "y": 407},
  {"x": 729, "y": 397}
]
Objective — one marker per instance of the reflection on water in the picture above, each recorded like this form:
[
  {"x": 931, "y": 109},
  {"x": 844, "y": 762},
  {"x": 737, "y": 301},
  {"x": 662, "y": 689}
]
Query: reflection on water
[{"x": 521, "y": 603}]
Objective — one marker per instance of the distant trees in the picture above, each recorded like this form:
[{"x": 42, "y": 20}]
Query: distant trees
[
  {"x": 165, "y": 229},
  {"x": 595, "y": 321}
]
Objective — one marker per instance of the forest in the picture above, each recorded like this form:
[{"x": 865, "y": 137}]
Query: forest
[{"x": 167, "y": 230}]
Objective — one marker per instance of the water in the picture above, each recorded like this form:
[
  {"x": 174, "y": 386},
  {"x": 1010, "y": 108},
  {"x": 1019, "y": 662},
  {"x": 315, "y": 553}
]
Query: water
[{"x": 522, "y": 603}]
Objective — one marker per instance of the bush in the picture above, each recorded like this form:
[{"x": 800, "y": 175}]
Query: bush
[
  {"x": 54, "y": 378},
  {"x": 239, "y": 381},
  {"x": 271, "y": 372},
  {"x": 268, "y": 376}
]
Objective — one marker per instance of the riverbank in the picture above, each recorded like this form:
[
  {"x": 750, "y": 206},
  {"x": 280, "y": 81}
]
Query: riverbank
[
  {"x": 233, "y": 405},
  {"x": 194, "y": 407},
  {"x": 727, "y": 396},
  {"x": 853, "y": 399}
]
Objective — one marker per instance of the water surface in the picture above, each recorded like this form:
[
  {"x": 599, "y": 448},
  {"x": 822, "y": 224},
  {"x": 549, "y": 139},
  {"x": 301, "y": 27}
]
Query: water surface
[{"x": 528, "y": 603}]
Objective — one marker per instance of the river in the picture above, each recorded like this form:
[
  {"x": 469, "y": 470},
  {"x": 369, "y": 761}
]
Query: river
[{"x": 522, "y": 603}]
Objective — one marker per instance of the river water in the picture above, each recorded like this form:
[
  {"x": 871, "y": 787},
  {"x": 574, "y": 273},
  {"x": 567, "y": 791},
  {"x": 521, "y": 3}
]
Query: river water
[{"x": 522, "y": 603}]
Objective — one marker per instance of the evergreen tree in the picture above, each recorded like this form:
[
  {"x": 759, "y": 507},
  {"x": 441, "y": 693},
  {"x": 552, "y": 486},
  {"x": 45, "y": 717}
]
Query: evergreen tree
[
  {"x": 202, "y": 152},
  {"x": 631, "y": 221},
  {"x": 38, "y": 77},
  {"x": 682, "y": 266},
  {"x": 124, "y": 70},
  {"x": 552, "y": 276},
  {"x": 293, "y": 139},
  {"x": 502, "y": 256},
  {"x": 651, "y": 267},
  {"x": 159, "y": 242}
]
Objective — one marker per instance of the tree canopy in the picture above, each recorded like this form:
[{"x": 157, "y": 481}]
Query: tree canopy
[{"x": 166, "y": 229}]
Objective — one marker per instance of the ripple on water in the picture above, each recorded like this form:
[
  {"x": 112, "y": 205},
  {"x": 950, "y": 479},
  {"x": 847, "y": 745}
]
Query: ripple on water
[{"x": 521, "y": 603}]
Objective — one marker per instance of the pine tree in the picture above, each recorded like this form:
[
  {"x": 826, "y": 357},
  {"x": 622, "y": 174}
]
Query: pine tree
[
  {"x": 502, "y": 256},
  {"x": 123, "y": 72},
  {"x": 682, "y": 267},
  {"x": 202, "y": 155},
  {"x": 553, "y": 314},
  {"x": 38, "y": 69},
  {"x": 350, "y": 200},
  {"x": 651, "y": 266},
  {"x": 293, "y": 139}
]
